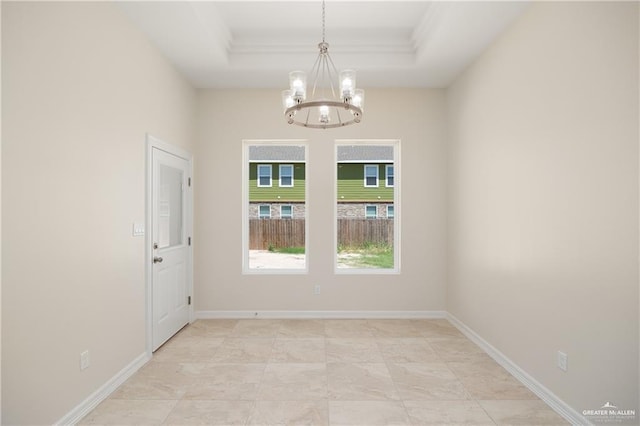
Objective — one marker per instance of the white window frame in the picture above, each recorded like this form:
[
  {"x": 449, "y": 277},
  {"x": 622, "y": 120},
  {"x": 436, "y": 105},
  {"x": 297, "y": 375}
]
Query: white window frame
[
  {"x": 245, "y": 172},
  {"x": 397, "y": 223},
  {"x": 391, "y": 206},
  {"x": 377, "y": 175},
  {"x": 289, "y": 216},
  {"x": 366, "y": 211},
  {"x": 260, "y": 216},
  {"x": 386, "y": 175},
  {"x": 280, "y": 175},
  {"x": 270, "y": 175}
]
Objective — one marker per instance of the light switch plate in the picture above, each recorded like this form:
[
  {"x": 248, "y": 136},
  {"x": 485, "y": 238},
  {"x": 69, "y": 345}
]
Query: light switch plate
[{"x": 138, "y": 229}]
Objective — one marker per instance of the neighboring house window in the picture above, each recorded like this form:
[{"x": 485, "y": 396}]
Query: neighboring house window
[
  {"x": 371, "y": 175},
  {"x": 390, "y": 211},
  {"x": 264, "y": 175},
  {"x": 286, "y": 175},
  {"x": 265, "y": 211},
  {"x": 389, "y": 175},
  {"x": 371, "y": 212},
  {"x": 286, "y": 212}
]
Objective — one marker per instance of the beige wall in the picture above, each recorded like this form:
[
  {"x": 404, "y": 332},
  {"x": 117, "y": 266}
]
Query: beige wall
[
  {"x": 543, "y": 204},
  {"x": 81, "y": 88},
  {"x": 226, "y": 117}
]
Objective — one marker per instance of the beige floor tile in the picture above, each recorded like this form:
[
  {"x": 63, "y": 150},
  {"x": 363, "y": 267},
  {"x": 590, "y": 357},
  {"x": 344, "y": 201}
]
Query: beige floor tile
[
  {"x": 394, "y": 328},
  {"x": 156, "y": 380},
  {"x": 347, "y": 328},
  {"x": 360, "y": 382},
  {"x": 457, "y": 349},
  {"x": 319, "y": 372},
  {"x": 210, "y": 328},
  {"x": 298, "y": 350},
  {"x": 353, "y": 350},
  {"x": 447, "y": 413},
  {"x": 230, "y": 382},
  {"x": 224, "y": 413},
  {"x": 416, "y": 381},
  {"x": 487, "y": 380},
  {"x": 534, "y": 412},
  {"x": 192, "y": 348},
  {"x": 435, "y": 328},
  {"x": 290, "y": 413},
  {"x": 406, "y": 349},
  {"x": 301, "y": 328},
  {"x": 257, "y": 328},
  {"x": 129, "y": 412},
  {"x": 288, "y": 382},
  {"x": 235, "y": 350},
  {"x": 369, "y": 413}
]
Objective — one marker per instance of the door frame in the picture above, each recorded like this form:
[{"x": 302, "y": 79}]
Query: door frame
[{"x": 151, "y": 144}]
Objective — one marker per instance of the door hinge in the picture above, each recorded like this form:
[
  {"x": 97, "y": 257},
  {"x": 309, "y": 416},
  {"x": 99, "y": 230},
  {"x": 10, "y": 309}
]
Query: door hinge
[
  {"x": 189, "y": 300},
  {"x": 189, "y": 240},
  {"x": 189, "y": 180}
]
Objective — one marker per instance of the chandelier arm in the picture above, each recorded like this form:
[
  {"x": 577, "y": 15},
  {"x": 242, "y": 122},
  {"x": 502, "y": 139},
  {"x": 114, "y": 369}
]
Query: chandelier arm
[
  {"x": 335, "y": 70},
  {"x": 338, "y": 114},
  {"x": 330, "y": 77},
  {"x": 314, "y": 71},
  {"x": 307, "y": 120}
]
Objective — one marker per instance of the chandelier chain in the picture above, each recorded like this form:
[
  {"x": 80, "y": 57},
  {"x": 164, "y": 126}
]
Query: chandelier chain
[{"x": 323, "y": 21}]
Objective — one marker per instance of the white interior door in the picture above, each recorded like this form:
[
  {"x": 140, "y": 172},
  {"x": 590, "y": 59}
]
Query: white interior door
[{"x": 170, "y": 282}]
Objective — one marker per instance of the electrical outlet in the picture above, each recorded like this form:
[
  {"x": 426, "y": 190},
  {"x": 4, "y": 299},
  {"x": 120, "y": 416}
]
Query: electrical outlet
[
  {"x": 84, "y": 360},
  {"x": 316, "y": 289},
  {"x": 563, "y": 361}
]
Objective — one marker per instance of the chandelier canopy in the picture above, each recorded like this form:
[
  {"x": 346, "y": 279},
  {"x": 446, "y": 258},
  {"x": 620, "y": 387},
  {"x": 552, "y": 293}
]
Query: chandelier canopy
[{"x": 326, "y": 107}]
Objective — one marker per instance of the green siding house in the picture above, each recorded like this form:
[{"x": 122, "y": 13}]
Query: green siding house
[
  {"x": 366, "y": 180},
  {"x": 277, "y": 183},
  {"x": 365, "y": 176}
]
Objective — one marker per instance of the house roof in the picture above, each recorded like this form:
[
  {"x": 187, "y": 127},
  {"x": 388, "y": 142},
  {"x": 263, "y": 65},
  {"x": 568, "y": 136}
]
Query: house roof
[
  {"x": 276, "y": 154},
  {"x": 365, "y": 154}
]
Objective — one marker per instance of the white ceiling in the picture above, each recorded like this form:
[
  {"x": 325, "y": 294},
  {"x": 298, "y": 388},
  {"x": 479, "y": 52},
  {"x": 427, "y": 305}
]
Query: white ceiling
[{"x": 254, "y": 44}]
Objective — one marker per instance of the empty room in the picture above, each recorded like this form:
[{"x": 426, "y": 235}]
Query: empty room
[{"x": 320, "y": 212}]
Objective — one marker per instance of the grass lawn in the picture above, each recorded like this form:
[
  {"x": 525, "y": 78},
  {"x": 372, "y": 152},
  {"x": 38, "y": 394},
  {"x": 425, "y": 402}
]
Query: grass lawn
[
  {"x": 287, "y": 250},
  {"x": 368, "y": 256},
  {"x": 373, "y": 256}
]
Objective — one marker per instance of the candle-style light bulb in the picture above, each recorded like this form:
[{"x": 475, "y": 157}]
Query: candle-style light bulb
[
  {"x": 347, "y": 83},
  {"x": 298, "y": 85},
  {"x": 324, "y": 114}
]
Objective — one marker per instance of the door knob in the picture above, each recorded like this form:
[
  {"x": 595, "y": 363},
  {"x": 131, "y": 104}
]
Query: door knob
[{"x": 157, "y": 259}]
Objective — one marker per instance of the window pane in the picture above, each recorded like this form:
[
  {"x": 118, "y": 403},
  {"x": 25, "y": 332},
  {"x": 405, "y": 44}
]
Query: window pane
[
  {"x": 365, "y": 225},
  {"x": 286, "y": 212},
  {"x": 264, "y": 175},
  {"x": 276, "y": 206},
  {"x": 170, "y": 207},
  {"x": 286, "y": 175},
  {"x": 265, "y": 212},
  {"x": 372, "y": 212},
  {"x": 371, "y": 175}
]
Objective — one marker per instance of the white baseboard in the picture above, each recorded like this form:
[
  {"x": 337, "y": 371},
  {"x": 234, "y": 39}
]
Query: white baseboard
[
  {"x": 92, "y": 401},
  {"x": 558, "y": 405},
  {"x": 321, "y": 314}
]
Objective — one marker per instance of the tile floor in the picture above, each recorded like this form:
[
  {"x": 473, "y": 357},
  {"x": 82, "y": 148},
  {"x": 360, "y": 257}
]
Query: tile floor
[{"x": 322, "y": 372}]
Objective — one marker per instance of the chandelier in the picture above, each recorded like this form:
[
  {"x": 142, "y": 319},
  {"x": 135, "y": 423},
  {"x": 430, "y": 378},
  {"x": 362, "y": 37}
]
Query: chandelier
[{"x": 327, "y": 107}]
